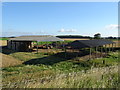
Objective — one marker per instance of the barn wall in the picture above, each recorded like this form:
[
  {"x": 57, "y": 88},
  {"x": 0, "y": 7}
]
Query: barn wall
[
  {"x": 19, "y": 45},
  {"x": 13, "y": 45},
  {"x": 9, "y": 45}
]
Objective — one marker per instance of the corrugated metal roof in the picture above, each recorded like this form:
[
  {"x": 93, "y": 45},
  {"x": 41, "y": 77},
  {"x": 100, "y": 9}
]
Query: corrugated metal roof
[
  {"x": 37, "y": 38},
  {"x": 89, "y": 43}
]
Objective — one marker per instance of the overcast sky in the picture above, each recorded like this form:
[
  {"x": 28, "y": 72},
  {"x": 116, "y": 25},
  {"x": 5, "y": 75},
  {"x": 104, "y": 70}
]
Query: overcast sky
[{"x": 60, "y": 18}]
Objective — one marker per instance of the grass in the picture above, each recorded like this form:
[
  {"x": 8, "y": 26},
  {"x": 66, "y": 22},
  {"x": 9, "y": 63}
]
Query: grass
[
  {"x": 114, "y": 39},
  {"x": 58, "y": 42},
  {"x": 111, "y": 59},
  {"x": 4, "y": 38},
  {"x": 9, "y": 61},
  {"x": 106, "y": 78},
  {"x": 26, "y": 55},
  {"x": 45, "y": 71},
  {"x": 42, "y": 43}
]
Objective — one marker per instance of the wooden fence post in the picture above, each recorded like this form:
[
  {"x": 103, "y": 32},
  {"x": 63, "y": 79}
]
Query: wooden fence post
[
  {"x": 65, "y": 51},
  {"x": 109, "y": 48},
  {"x": 95, "y": 51},
  {"x": 112, "y": 47},
  {"x": 105, "y": 49},
  {"x": 101, "y": 50},
  {"x": 90, "y": 54},
  {"x": 37, "y": 46}
]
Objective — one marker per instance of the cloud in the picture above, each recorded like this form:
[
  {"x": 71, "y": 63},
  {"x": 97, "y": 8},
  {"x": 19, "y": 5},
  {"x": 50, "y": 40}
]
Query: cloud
[
  {"x": 112, "y": 27},
  {"x": 67, "y": 30},
  {"x": 62, "y": 30}
]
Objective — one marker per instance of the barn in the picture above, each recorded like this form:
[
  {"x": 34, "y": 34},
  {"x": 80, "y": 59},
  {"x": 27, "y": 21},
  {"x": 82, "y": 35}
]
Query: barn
[
  {"x": 25, "y": 43},
  {"x": 89, "y": 44}
]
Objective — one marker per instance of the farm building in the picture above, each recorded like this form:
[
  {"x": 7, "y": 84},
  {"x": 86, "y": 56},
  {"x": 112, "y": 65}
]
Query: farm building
[
  {"x": 24, "y": 43},
  {"x": 90, "y": 43},
  {"x": 97, "y": 44}
]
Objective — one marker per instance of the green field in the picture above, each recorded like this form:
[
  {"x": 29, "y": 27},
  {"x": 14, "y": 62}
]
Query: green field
[
  {"x": 53, "y": 71},
  {"x": 58, "y": 42},
  {"x": 4, "y": 38}
]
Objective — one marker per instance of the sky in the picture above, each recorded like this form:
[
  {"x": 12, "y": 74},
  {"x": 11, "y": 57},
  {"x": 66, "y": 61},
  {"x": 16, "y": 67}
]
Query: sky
[{"x": 59, "y": 18}]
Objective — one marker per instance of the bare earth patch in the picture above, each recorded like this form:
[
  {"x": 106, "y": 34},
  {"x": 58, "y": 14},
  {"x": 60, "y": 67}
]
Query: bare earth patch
[
  {"x": 73, "y": 39},
  {"x": 6, "y": 59},
  {"x": 9, "y": 61},
  {"x": 3, "y": 42}
]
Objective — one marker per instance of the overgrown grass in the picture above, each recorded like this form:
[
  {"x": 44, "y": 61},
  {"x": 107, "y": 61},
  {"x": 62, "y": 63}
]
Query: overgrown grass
[
  {"x": 46, "y": 71},
  {"x": 111, "y": 59},
  {"x": 105, "y": 77}
]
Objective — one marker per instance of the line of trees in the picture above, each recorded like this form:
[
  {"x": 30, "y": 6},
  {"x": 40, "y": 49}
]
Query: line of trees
[
  {"x": 96, "y": 36},
  {"x": 73, "y": 36}
]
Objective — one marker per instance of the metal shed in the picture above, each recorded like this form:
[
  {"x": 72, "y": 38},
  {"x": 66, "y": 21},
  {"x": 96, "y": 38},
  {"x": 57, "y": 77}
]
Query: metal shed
[{"x": 24, "y": 43}]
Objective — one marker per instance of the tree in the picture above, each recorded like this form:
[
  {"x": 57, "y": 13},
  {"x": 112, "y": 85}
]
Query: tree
[
  {"x": 97, "y": 36},
  {"x": 110, "y": 37}
]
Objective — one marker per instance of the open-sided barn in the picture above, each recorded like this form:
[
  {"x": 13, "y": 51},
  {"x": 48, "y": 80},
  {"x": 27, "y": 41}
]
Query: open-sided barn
[
  {"x": 97, "y": 43},
  {"x": 89, "y": 43},
  {"x": 24, "y": 43}
]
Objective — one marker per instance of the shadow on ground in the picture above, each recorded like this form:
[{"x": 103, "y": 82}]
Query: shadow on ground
[
  {"x": 62, "y": 56},
  {"x": 5, "y": 50},
  {"x": 52, "y": 59}
]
